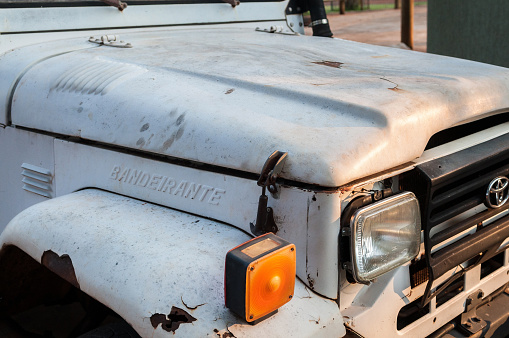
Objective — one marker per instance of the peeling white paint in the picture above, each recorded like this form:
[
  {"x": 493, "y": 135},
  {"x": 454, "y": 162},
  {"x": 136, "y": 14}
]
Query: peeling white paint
[{"x": 140, "y": 259}]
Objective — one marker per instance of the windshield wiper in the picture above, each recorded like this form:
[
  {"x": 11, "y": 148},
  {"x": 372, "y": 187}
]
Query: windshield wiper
[{"x": 116, "y": 3}]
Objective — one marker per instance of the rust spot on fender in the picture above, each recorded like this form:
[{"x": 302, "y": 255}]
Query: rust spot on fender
[
  {"x": 396, "y": 89},
  {"x": 61, "y": 265},
  {"x": 229, "y": 91},
  {"x": 172, "y": 321},
  {"x": 311, "y": 282},
  {"x": 226, "y": 334},
  {"x": 333, "y": 64}
]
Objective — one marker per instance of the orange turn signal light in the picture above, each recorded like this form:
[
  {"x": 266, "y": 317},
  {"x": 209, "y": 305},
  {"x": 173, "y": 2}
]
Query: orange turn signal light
[{"x": 259, "y": 277}]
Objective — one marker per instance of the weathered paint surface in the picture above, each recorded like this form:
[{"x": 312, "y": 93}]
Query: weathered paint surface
[
  {"x": 151, "y": 264},
  {"x": 173, "y": 320},
  {"x": 307, "y": 219},
  {"x": 18, "y": 147},
  {"x": 337, "y": 124},
  {"x": 14, "y": 20},
  {"x": 343, "y": 111}
]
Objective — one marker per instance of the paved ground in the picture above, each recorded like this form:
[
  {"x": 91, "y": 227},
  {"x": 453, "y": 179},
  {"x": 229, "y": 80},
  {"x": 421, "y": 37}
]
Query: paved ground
[{"x": 381, "y": 27}]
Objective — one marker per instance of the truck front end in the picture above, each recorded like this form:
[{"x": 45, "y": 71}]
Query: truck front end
[{"x": 154, "y": 139}]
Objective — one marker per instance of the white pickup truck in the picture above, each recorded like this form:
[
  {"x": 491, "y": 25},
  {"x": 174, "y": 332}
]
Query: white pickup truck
[{"x": 140, "y": 144}]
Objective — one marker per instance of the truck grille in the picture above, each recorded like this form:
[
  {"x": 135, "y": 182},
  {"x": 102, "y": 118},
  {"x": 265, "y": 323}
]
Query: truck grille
[{"x": 452, "y": 192}]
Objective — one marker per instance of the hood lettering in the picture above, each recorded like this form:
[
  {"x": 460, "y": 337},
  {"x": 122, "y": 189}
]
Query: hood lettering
[{"x": 167, "y": 184}]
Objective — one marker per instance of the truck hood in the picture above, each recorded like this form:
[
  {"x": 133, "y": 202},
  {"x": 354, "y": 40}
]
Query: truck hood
[{"x": 229, "y": 97}]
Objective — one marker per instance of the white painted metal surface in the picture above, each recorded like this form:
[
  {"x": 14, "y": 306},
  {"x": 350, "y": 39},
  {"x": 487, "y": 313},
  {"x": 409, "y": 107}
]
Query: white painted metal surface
[
  {"x": 16, "y": 20},
  {"x": 18, "y": 148},
  {"x": 308, "y": 219},
  {"x": 228, "y": 96},
  {"x": 430, "y": 154},
  {"x": 337, "y": 124},
  {"x": 295, "y": 22},
  {"x": 15, "y": 61},
  {"x": 141, "y": 259}
]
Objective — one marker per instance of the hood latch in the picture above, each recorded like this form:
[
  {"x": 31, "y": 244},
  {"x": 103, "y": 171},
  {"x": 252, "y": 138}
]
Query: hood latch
[{"x": 270, "y": 172}]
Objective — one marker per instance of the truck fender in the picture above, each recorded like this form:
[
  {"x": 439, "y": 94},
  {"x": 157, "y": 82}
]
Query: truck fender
[{"x": 160, "y": 269}]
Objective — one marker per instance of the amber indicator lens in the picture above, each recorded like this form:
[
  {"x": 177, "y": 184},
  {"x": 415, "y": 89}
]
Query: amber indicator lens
[{"x": 259, "y": 277}]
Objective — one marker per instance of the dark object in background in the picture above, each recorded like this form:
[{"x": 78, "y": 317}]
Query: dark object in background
[
  {"x": 473, "y": 30},
  {"x": 316, "y": 8},
  {"x": 319, "y": 21}
]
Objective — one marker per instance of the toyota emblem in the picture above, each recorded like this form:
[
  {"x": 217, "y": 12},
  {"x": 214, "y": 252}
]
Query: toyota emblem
[{"x": 497, "y": 193}]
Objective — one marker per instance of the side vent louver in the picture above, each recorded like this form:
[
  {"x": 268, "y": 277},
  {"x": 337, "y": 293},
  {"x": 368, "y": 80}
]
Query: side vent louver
[{"x": 37, "y": 180}]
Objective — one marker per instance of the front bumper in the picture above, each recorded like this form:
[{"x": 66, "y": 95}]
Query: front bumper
[{"x": 494, "y": 313}]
